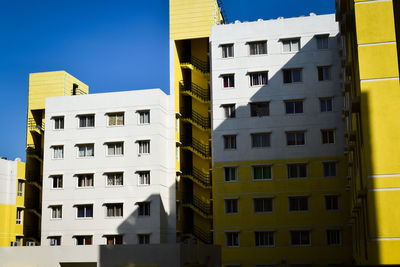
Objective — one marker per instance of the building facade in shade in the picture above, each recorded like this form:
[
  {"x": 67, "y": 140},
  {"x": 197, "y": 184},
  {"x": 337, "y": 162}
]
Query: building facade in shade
[
  {"x": 12, "y": 191},
  {"x": 41, "y": 86},
  {"x": 109, "y": 169},
  {"x": 190, "y": 28},
  {"x": 279, "y": 174},
  {"x": 370, "y": 52}
]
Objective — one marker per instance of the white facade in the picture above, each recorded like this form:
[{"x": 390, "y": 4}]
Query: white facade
[
  {"x": 101, "y": 194},
  {"x": 8, "y": 181},
  {"x": 277, "y": 58}
]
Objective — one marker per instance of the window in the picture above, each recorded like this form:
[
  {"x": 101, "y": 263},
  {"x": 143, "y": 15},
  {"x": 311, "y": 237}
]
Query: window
[
  {"x": 86, "y": 121},
  {"x": 332, "y": 202},
  {"x": 56, "y": 212},
  {"x": 19, "y": 216},
  {"x": 322, "y": 42},
  {"x": 116, "y": 178},
  {"x": 262, "y": 173},
  {"x": 115, "y": 119},
  {"x": 83, "y": 240},
  {"x": 229, "y": 110},
  {"x": 144, "y": 177},
  {"x": 115, "y": 149},
  {"x": 258, "y": 78},
  {"x": 85, "y": 211},
  {"x": 113, "y": 239},
  {"x": 292, "y": 76},
  {"x": 85, "y": 180},
  {"x": 230, "y": 141},
  {"x": 260, "y": 140},
  {"x": 294, "y": 106},
  {"x": 144, "y": 208},
  {"x": 58, "y": 152},
  {"x": 229, "y": 80},
  {"x": 329, "y": 169},
  {"x": 231, "y": 206},
  {"x": 114, "y": 210},
  {"x": 300, "y": 238},
  {"x": 324, "y": 73},
  {"x": 20, "y": 188},
  {"x": 295, "y": 138},
  {"x": 232, "y": 239},
  {"x": 143, "y": 239},
  {"x": 328, "y": 136},
  {"x": 85, "y": 150},
  {"x": 230, "y": 174},
  {"x": 144, "y": 146},
  {"x": 227, "y": 50},
  {"x": 263, "y": 204},
  {"x": 55, "y": 240},
  {"x": 57, "y": 181},
  {"x": 297, "y": 170},
  {"x": 258, "y": 48},
  {"x": 333, "y": 237},
  {"x": 298, "y": 203},
  {"x": 144, "y": 116},
  {"x": 259, "y": 109},
  {"x": 325, "y": 104},
  {"x": 264, "y": 239},
  {"x": 291, "y": 45},
  {"x": 58, "y": 123}
]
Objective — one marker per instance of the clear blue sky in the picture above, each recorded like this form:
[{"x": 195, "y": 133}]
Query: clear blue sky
[{"x": 110, "y": 45}]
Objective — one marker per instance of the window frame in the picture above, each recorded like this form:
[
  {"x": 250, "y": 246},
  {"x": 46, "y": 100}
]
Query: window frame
[
  {"x": 322, "y": 38},
  {"x": 56, "y": 122},
  {"x": 142, "y": 116},
  {"x": 231, "y": 206},
  {"x": 267, "y": 135},
  {"x": 296, "y": 109},
  {"x": 226, "y": 52},
  {"x": 291, "y": 44},
  {"x": 324, "y": 73},
  {"x": 19, "y": 216},
  {"x": 144, "y": 181},
  {"x": 20, "y": 188},
  {"x": 328, "y": 136},
  {"x": 228, "y": 178},
  {"x": 292, "y": 76},
  {"x": 54, "y": 240},
  {"x": 253, "y": 170},
  {"x": 143, "y": 239},
  {"x": 114, "y": 210},
  {"x": 260, "y": 77},
  {"x": 55, "y": 148},
  {"x": 115, "y": 144},
  {"x": 57, "y": 181},
  {"x": 229, "y": 111},
  {"x": 259, "y": 245},
  {"x": 264, "y": 206},
  {"x": 229, "y": 82},
  {"x": 85, "y": 211},
  {"x": 110, "y": 115},
  {"x": 87, "y": 240},
  {"x": 258, "y": 50},
  {"x": 298, "y": 206},
  {"x": 300, "y": 238},
  {"x": 56, "y": 212},
  {"x": 85, "y": 177},
  {"x": 114, "y": 177},
  {"x": 338, "y": 237},
  {"x": 144, "y": 208},
  {"x": 86, "y": 150},
  {"x": 141, "y": 146},
  {"x": 298, "y": 170},
  {"x": 230, "y": 142},
  {"x": 257, "y": 109},
  {"x": 323, "y": 104},
  {"x": 116, "y": 240},
  {"x": 87, "y": 121},
  {"x": 330, "y": 205},
  {"x": 328, "y": 171},
  {"x": 296, "y": 138},
  {"x": 232, "y": 239}
]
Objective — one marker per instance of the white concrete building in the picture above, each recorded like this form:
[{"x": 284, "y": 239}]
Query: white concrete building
[
  {"x": 109, "y": 169},
  {"x": 276, "y": 76}
]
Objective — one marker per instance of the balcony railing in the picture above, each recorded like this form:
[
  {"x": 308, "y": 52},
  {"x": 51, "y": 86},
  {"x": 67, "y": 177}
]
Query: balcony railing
[
  {"x": 200, "y": 205},
  {"x": 33, "y": 125},
  {"x": 33, "y": 204},
  {"x": 78, "y": 91},
  {"x": 196, "y": 90},
  {"x": 196, "y": 118},
  {"x": 196, "y": 146},
  {"x": 203, "y": 236},
  {"x": 199, "y": 176},
  {"x": 32, "y": 150},
  {"x": 199, "y": 64}
]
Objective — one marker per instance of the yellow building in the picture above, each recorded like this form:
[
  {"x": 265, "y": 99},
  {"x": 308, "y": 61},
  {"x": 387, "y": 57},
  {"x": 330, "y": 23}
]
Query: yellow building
[
  {"x": 190, "y": 28},
  {"x": 12, "y": 184},
  {"x": 41, "y": 86},
  {"x": 370, "y": 57}
]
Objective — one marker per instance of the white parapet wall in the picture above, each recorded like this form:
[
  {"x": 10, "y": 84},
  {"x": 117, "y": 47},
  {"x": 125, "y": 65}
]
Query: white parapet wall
[{"x": 109, "y": 169}]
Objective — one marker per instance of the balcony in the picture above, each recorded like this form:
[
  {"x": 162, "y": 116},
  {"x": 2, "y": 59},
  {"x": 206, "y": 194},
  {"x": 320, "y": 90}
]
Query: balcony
[
  {"x": 34, "y": 179},
  {"x": 197, "y": 120},
  {"x": 33, "y": 126},
  {"x": 201, "y": 178},
  {"x": 201, "y": 207},
  {"x": 200, "y": 149},
  {"x": 77, "y": 91},
  {"x": 35, "y": 152},
  {"x": 33, "y": 205},
  {"x": 195, "y": 91},
  {"x": 196, "y": 64}
]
